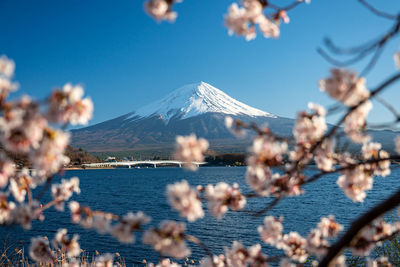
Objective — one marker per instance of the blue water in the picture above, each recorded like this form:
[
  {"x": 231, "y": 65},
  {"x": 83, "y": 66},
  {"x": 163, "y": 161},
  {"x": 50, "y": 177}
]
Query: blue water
[{"x": 122, "y": 190}]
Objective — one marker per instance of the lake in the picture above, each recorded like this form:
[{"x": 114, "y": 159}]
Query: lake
[{"x": 122, "y": 190}]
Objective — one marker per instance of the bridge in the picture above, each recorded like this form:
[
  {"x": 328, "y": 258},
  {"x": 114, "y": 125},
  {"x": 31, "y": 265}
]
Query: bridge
[{"x": 129, "y": 164}]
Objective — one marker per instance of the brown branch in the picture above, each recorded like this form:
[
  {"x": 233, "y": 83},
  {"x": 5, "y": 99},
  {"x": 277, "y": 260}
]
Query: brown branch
[
  {"x": 358, "y": 225},
  {"x": 200, "y": 243},
  {"x": 377, "y": 11},
  {"x": 389, "y": 107},
  {"x": 348, "y": 167},
  {"x": 269, "y": 207}
]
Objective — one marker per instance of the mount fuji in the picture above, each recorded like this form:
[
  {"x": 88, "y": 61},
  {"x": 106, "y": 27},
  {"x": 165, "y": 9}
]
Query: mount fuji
[{"x": 198, "y": 108}]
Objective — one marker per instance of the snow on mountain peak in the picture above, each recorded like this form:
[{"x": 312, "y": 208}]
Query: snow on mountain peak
[{"x": 196, "y": 99}]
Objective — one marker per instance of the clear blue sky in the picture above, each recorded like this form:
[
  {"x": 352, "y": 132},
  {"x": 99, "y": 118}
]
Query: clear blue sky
[{"x": 125, "y": 59}]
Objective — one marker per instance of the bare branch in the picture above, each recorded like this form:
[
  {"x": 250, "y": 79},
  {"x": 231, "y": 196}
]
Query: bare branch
[
  {"x": 358, "y": 225},
  {"x": 377, "y": 12}
]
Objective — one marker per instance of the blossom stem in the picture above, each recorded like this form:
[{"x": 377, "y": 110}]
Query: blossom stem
[{"x": 358, "y": 225}]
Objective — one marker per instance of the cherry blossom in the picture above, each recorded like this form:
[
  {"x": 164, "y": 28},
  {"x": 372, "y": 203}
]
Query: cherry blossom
[
  {"x": 130, "y": 222},
  {"x": 185, "y": 200},
  {"x": 371, "y": 235},
  {"x": 24, "y": 213},
  {"x": 7, "y": 66},
  {"x": 242, "y": 20},
  {"x": 373, "y": 150},
  {"x": 6, "y": 87},
  {"x": 190, "y": 150},
  {"x": 234, "y": 126},
  {"x": 222, "y": 196},
  {"x": 168, "y": 239},
  {"x": 161, "y": 9},
  {"x": 7, "y": 169},
  {"x": 105, "y": 260},
  {"x": 294, "y": 246},
  {"x": 63, "y": 192},
  {"x": 325, "y": 155},
  {"x": 309, "y": 128},
  {"x": 240, "y": 256},
  {"x": 101, "y": 223},
  {"x": 317, "y": 240},
  {"x": 380, "y": 262},
  {"x": 49, "y": 158},
  {"x": 6, "y": 207},
  {"x": 68, "y": 106},
  {"x": 354, "y": 182},
  {"x": 345, "y": 86},
  {"x": 216, "y": 261},
  {"x": 271, "y": 231},
  {"x": 165, "y": 263},
  {"x": 22, "y": 126},
  {"x": 355, "y": 123},
  {"x": 69, "y": 246},
  {"x": 40, "y": 251},
  {"x": 396, "y": 57}
]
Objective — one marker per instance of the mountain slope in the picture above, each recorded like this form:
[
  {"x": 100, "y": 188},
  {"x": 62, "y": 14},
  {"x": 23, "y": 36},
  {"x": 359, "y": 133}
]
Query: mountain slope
[{"x": 196, "y": 108}]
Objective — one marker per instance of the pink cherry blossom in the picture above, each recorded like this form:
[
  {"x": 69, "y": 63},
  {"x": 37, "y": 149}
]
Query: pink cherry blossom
[
  {"x": 6, "y": 207},
  {"x": 22, "y": 126},
  {"x": 354, "y": 182},
  {"x": 190, "y": 150},
  {"x": 68, "y": 106},
  {"x": 294, "y": 246},
  {"x": 325, "y": 155},
  {"x": 70, "y": 246},
  {"x": 7, "y": 66},
  {"x": 160, "y": 10},
  {"x": 168, "y": 239},
  {"x": 396, "y": 57},
  {"x": 271, "y": 231},
  {"x": 130, "y": 222},
  {"x": 310, "y": 127},
  {"x": 380, "y": 262},
  {"x": 345, "y": 86},
  {"x": 104, "y": 260},
  {"x": 64, "y": 191},
  {"x": 185, "y": 200},
  {"x": 355, "y": 123},
  {"x": 49, "y": 158},
  {"x": 371, "y": 151},
  {"x": 222, "y": 196},
  {"x": 242, "y": 20},
  {"x": 7, "y": 169},
  {"x": 40, "y": 251}
]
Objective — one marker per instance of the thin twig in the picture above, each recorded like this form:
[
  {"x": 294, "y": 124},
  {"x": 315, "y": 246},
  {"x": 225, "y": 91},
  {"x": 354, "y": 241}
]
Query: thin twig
[
  {"x": 358, "y": 225},
  {"x": 377, "y": 12}
]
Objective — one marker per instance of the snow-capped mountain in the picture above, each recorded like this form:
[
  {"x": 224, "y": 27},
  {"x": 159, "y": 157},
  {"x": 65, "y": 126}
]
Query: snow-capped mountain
[
  {"x": 198, "y": 108},
  {"x": 193, "y": 100}
]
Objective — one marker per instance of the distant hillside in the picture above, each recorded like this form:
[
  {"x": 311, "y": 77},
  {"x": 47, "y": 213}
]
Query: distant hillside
[{"x": 78, "y": 156}]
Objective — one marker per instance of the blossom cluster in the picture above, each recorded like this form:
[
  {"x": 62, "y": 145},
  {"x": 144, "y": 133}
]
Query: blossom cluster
[
  {"x": 242, "y": 20},
  {"x": 220, "y": 197},
  {"x": 190, "y": 150},
  {"x": 373, "y": 235},
  {"x": 168, "y": 239},
  {"x": 23, "y": 213},
  {"x": 41, "y": 251},
  {"x": 161, "y": 9},
  {"x": 123, "y": 229},
  {"x": 27, "y": 130},
  {"x": 293, "y": 244}
]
